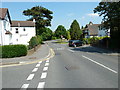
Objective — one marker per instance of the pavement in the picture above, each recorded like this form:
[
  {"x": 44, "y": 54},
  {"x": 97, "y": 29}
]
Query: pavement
[
  {"x": 41, "y": 53},
  {"x": 99, "y": 50}
]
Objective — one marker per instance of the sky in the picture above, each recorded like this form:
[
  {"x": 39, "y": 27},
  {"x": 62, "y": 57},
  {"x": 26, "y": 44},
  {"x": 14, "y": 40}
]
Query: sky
[{"x": 63, "y": 12}]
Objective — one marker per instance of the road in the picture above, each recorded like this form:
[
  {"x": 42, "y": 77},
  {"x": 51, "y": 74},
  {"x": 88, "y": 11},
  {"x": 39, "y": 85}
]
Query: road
[{"x": 81, "y": 67}]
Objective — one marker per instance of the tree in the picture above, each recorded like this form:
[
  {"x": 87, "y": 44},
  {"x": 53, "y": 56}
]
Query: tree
[
  {"x": 60, "y": 31},
  {"x": 47, "y": 34},
  {"x": 111, "y": 18},
  {"x": 68, "y": 35},
  {"x": 41, "y": 15},
  {"x": 75, "y": 31}
]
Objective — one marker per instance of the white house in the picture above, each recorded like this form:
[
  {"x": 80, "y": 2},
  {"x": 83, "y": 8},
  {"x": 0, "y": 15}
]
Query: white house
[
  {"x": 91, "y": 30},
  {"x": 5, "y": 23},
  {"x": 95, "y": 30},
  {"x": 103, "y": 31},
  {"x": 22, "y": 32}
]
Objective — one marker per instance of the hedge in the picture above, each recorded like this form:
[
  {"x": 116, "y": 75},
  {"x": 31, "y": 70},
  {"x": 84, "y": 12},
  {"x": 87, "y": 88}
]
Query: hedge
[{"x": 10, "y": 51}]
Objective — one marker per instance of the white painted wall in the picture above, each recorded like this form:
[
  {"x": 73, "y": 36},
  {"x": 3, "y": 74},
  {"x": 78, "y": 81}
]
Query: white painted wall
[
  {"x": 22, "y": 37},
  {"x": 103, "y": 32},
  {"x": 5, "y": 26}
]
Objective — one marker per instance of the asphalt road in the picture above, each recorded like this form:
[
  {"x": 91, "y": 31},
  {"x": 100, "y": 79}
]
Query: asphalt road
[{"x": 69, "y": 68}]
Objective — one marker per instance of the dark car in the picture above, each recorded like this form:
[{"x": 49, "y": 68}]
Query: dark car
[{"x": 75, "y": 43}]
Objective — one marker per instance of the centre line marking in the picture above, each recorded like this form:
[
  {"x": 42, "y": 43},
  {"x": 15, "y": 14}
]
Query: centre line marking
[
  {"x": 46, "y": 64},
  {"x": 25, "y": 86},
  {"x": 38, "y": 65},
  {"x": 41, "y": 85},
  {"x": 45, "y": 68},
  {"x": 35, "y": 69},
  {"x": 100, "y": 64},
  {"x": 30, "y": 77},
  {"x": 43, "y": 75}
]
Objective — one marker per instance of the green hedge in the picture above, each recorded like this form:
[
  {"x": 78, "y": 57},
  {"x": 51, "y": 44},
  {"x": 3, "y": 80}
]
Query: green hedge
[{"x": 10, "y": 51}]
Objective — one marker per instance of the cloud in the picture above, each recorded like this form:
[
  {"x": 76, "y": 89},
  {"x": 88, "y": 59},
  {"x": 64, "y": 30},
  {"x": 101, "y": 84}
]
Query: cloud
[{"x": 93, "y": 14}]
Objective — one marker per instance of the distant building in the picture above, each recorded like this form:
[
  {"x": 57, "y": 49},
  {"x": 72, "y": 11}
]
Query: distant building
[
  {"x": 103, "y": 31},
  {"x": 91, "y": 30},
  {"x": 96, "y": 30},
  {"x": 22, "y": 31},
  {"x": 5, "y": 23}
]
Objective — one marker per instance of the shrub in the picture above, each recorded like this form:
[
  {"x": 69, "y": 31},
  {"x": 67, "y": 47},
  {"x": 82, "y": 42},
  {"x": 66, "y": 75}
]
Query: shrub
[
  {"x": 39, "y": 38},
  {"x": 9, "y": 51},
  {"x": 33, "y": 42},
  {"x": 54, "y": 38}
]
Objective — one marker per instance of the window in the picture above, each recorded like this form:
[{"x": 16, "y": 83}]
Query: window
[
  {"x": 23, "y": 29},
  {"x": 17, "y": 30},
  {"x": 16, "y": 39}
]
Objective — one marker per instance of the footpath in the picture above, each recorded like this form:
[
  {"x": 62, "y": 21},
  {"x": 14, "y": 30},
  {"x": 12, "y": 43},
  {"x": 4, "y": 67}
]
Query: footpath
[
  {"x": 41, "y": 53},
  {"x": 92, "y": 49}
]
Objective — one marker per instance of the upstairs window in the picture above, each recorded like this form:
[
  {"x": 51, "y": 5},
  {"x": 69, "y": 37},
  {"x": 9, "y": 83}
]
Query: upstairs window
[
  {"x": 16, "y": 30},
  {"x": 24, "y": 29}
]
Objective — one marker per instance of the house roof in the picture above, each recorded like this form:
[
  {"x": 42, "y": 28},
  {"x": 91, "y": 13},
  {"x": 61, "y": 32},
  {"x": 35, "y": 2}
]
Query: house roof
[
  {"x": 3, "y": 12},
  {"x": 23, "y": 24},
  {"x": 93, "y": 29}
]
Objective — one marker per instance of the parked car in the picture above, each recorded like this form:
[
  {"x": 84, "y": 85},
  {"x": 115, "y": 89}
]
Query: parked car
[{"x": 75, "y": 43}]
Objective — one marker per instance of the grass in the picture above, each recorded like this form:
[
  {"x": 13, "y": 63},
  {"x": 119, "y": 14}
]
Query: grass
[{"x": 61, "y": 42}]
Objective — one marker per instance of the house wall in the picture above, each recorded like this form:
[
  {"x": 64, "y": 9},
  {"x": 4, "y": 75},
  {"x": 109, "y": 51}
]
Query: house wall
[
  {"x": 103, "y": 32},
  {"x": 5, "y": 26},
  {"x": 23, "y": 36}
]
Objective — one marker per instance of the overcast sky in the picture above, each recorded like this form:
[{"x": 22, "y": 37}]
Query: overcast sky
[{"x": 63, "y": 12}]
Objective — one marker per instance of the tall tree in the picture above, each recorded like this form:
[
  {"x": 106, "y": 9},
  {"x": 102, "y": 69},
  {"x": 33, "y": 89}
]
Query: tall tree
[
  {"x": 41, "y": 15},
  {"x": 111, "y": 18},
  {"x": 61, "y": 31},
  {"x": 75, "y": 31}
]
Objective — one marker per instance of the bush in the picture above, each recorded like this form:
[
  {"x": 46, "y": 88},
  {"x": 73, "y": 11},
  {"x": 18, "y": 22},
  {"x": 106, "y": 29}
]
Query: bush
[
  {"x": 54, "y": 38},
  {"x": 33, "y": 42},
  {"x": 10, "y": 51},
  {"x": 39, "y": 38}
]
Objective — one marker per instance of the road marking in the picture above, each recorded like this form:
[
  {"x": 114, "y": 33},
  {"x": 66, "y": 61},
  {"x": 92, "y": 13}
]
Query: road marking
[
  {"x": 46, "y": 64},
  {"x": 40, "y": 62},
  {"x": 43, "y": 75},
  {"x": 47, "y": 60},
  {"x": 71, "y": 50},
  {"x": 25, "y": 86},
  {"x": 38, "y": 65},
  {"x": 35, "y": 69},
  {"x": 30, "y": 77},
  {"x": 45, "y": 68},
  {"x": 100, "y": 64},
  {"x": 41, "y": 85}
]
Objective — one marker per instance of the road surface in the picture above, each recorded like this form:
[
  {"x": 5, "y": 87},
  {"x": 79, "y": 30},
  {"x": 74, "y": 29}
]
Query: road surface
[{"x": 81, "y": 67}]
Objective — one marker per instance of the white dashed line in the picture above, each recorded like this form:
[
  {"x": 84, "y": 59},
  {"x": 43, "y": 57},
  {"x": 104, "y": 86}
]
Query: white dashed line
[
  {"x": 46, "y": 64},
  {"x": 30, "y": 77},
  {"x": 40, "y": 62},
  {"x": 45, "y": 68},
  {"x": 25, "y": 86},
  {"x": 35, "y": 69},
  {"x": 47, "y": 61},
  {"x": 100, "y": 64},
  {"x": 38, "y": 65},
  {"x": 41, "y": 85},
  {"x": 43, "y": 75}
]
